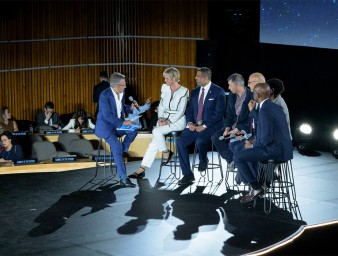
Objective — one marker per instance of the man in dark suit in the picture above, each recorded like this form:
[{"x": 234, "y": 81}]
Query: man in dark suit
[
  {"x": 272, "y": 141},
  {"x": 110, "y": 118},
  {"x": 48, "y": 118},
  {"x": 237, "y": 118},
  {"x": 99, "y": 88},
  {"x": 204, "y": 116}
]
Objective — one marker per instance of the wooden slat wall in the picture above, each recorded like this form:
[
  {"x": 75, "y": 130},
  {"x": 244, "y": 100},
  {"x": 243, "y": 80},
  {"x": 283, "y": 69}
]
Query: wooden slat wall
[{"x": 26, "y": 91}]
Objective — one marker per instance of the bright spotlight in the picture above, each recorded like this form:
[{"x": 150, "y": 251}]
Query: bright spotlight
[
  {"x": 303, "y": 137},
  {"x": 335, "y": 134},
  {"x": 305, "y": 128}
]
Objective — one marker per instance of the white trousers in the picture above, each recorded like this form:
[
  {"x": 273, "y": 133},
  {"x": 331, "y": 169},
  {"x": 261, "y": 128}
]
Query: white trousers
[{"x": 158, "y": 143}]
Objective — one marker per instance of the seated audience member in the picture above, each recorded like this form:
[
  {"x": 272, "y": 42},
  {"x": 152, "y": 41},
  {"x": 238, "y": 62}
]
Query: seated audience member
[
  {"x": 276, "y": 89},
  {"x": 154, "y": 115},
  {"x": 272, "y": 142},
  {"x": 10, "y": 152},
  {"x": 6, "y": 122},
  {"x": 49, "y": 118},
  {"x": 138, "y": 110},
  {"x": 79, "y": 121}
]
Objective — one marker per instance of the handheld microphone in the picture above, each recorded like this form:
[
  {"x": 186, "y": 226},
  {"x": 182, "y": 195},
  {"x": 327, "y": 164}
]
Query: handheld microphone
[
  {"x": 230, "y": 135},
  {"x": 134, "y": 101}
]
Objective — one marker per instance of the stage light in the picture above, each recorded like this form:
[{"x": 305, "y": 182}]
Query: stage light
[
  {"x": 335, "y": 143},
  {"x": 303, "y": 137},
  {"x": 305, "y": 128}
]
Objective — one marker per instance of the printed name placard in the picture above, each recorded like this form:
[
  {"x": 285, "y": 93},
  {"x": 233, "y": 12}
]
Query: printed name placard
[
  {"x": 61, "y": 159},
  {"x": 20, "y": 133},
  {"x": 53, "y": 132},
  {"x": 103, "y": 158},
  {"x": 26, "y": 161},
  {"x": 87, "y": 131}
]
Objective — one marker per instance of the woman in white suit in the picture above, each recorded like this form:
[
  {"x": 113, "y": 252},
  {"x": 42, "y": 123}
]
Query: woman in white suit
[{"x": 171, "y": 117}]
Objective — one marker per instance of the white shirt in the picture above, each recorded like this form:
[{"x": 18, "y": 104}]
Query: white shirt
[
  {"x": 71, "y": 124},
  {"x": 118, "y": 100}
]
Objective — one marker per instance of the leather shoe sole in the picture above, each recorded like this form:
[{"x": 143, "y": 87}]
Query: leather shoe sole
[
  {"x": 127, "y": 183},
  {"x": 186, "y": 180},
  {"x": 252, "y": 195},
  {"x": 137, "y": 175},
  {"x": 202, "y": 167}
]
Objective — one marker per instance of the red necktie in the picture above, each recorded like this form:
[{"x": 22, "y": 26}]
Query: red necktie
[{"x": 200, "y": 107}]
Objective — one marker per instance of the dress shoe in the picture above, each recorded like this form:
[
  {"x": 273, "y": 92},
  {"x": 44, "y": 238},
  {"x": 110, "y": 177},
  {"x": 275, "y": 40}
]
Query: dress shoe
[
  {"x": 127, "y": 183},
  {"x": 202, "y": 167},
  {"x": 137, "y": 175},
  {"x": 166, "y": 160},
  {"x": 252, "y": 195},
  {"x": 186, "y": 179},
  {"x": 125, "y": 155}
]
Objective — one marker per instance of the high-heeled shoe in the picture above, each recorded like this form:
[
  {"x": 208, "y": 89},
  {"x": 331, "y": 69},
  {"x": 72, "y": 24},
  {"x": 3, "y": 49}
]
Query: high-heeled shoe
[
  {"x": 166, "y": 160},
  {"x": 139, "y": 175}
]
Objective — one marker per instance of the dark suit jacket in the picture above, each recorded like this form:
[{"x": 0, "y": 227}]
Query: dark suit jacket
[
  {"x": 40, "y": 119},
  {"x": 213, "y": 108},
  {"x": 107, "y": 119},
  {"x": 98, "y": 89},
  {"x": 243, "y": 122},
  {"x": 272, "y": 132}
]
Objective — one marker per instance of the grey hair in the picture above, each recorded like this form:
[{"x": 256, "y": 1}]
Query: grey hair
[
  {"x": 236, "y": 79},
  {"x": 116, "y": 78}
]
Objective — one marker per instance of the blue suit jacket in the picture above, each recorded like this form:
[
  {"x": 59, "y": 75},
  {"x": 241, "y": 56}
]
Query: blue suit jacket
[
  {"x": 273, "y": 132},
  {"x": 243, "y": 121},
  {"x": 213, "y": 107},
  {"x": 107, "y": 119}
]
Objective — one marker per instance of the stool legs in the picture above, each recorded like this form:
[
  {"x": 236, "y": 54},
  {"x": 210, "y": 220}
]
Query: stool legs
[
  {"x": 174, "y": 162},
  {"x": 278, "y": 180},
  {"x": 105, "y": 159},
  {"x": 234, "y": 185},
  {"x": 211, "y": 165}
]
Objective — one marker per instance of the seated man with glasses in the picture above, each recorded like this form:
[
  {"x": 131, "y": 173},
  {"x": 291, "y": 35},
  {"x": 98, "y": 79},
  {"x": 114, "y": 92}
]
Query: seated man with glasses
[{"x": 110, "y": 118}]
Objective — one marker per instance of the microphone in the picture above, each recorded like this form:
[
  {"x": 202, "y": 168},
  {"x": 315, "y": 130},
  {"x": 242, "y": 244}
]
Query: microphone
[
  {"x": 134, "y": 101},
  {"x": 230, "y": 135}
]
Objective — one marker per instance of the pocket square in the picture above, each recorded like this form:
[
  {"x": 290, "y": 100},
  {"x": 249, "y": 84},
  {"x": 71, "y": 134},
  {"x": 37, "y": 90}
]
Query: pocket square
[{"x": 212, "y": 99}]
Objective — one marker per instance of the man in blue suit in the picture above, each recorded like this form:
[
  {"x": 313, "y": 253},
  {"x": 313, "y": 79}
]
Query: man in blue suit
[
  {"x": 110, "y": 117},
  {"x": 272, "y": 141},
  {"x": 204, "y": 116}
]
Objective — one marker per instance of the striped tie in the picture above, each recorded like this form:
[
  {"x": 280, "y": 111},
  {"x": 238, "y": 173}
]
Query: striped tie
[{"x": 200, "y": 107}]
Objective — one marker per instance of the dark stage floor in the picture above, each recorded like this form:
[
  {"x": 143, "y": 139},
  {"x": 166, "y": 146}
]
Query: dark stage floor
[{"x": 62, "y": 214}]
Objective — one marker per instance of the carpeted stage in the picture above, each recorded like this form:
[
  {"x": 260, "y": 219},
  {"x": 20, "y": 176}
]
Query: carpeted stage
[{"x": 74, "y": 213}]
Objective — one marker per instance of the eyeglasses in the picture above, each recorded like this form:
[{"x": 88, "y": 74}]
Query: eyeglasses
[{"x": 122, "y": 84}]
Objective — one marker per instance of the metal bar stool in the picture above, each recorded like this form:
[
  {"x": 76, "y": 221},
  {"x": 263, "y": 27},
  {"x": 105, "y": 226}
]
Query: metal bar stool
[
  {"x": 278, "y": 181},
  {"x": 105, "y": 160},
  {"x": 174, "y": 161},
  {"x": 230, "y": 180},
  {"x": 211, "y": 165}
]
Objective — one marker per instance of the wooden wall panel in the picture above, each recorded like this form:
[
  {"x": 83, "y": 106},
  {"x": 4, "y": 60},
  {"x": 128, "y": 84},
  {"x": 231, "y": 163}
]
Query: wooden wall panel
[{"x": 47, "y": 53}]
